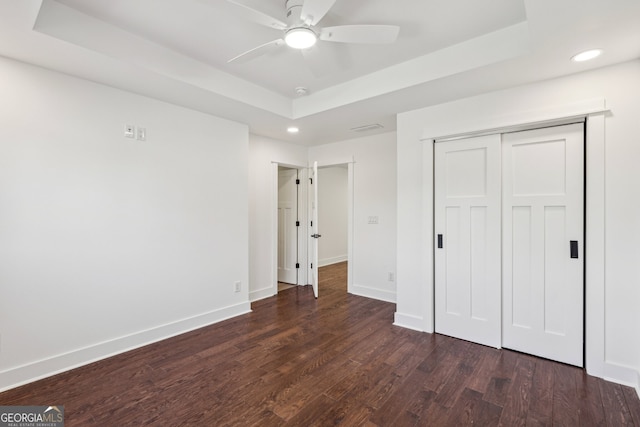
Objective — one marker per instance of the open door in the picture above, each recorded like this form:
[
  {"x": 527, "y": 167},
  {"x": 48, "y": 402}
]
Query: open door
[{"x": 313, "y": 197}]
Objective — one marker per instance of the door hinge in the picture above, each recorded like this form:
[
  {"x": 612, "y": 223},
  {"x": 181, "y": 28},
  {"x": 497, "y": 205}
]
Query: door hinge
[
  {"x": 312, "y": 223},
  {"x": 297, "y": 223},
  {"x": 311, "y": 180},
  {"x": 297, "y": 182},
  {"x": 297, "y": 265},
  {"x": 311, "y": 265}
]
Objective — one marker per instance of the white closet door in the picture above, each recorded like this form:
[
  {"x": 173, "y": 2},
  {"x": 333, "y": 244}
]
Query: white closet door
[
  {"x": 467, "y": 246},
  {"x": 287, "y": 230},
  {"x": 543, "y": 214}
]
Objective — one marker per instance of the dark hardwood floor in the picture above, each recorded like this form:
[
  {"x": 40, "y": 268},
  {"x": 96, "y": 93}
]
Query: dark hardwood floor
[{"x": 298, "y": 361}]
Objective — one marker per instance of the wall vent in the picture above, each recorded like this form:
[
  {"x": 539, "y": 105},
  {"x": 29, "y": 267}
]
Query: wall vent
[{"x": 367, "y": 128}]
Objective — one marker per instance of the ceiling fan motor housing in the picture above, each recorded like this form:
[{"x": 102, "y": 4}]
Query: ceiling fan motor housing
[{"x": 294, "y": 13}]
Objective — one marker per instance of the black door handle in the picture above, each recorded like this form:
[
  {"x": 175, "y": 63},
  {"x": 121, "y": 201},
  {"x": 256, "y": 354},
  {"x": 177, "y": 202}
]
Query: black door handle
[
  {"x": 315, "y": 236},
  {"x": 574, "y": 248},
  {"x": 439, "y": 241}
]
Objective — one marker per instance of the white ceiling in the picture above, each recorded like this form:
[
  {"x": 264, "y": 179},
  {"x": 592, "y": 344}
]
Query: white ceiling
[
  {"x": 214, "y": 31},
  {"x": 177, "y": 51}
]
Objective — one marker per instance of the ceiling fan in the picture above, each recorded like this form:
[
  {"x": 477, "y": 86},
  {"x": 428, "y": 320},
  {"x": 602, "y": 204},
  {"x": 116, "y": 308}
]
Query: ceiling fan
[{"x": 300, "y": 30}]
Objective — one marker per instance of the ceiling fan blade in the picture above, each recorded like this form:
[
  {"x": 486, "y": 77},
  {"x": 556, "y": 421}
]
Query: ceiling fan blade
[
  {"x": 263, "y": 49},
  {"x": 259, "y": 17},
  {"x": 376, "y": 34},
  {"x": 314, "y": 10}
]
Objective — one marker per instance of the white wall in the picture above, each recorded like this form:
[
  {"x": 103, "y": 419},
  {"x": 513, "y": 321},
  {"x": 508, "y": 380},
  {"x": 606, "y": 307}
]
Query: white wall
[
  {"x": 618, "y": 356},
  {"x": 109, "y": 243},
  {"x": 374, "y": 189},
  {"x": 332, "y": 214},
  {"x": 264, "y": 155}
]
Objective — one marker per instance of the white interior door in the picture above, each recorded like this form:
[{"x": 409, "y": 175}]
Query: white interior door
[
  {"x": 287, "y": 229},
  {"x": 313, "y": 188},
  {"x": 543, "y": 230},
  {"x": 467, "y": 246}
]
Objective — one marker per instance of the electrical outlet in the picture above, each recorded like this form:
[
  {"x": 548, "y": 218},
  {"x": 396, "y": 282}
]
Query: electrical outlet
[
  {"x": 238, "y": 286},
  {"x": 391, "y": 277}
]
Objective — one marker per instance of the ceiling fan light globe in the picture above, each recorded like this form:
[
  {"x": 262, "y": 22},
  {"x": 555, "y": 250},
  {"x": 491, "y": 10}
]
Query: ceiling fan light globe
[{"x": 300, "y": 38}]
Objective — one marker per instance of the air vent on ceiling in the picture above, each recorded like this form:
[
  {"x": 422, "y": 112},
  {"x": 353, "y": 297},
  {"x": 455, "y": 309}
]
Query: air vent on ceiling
[{"x": 367, "y": 128}]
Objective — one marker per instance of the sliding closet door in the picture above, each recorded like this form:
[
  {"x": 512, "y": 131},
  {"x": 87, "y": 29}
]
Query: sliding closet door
[
  {"x": 467, "y": 246},
  {"x": 543, "y": 229}
]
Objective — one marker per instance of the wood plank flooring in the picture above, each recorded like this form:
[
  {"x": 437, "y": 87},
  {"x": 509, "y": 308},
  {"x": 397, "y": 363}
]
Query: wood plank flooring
[{"x": 298, "y": 361}]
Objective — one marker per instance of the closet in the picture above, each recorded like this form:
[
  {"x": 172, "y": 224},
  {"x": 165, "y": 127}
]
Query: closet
[{"x": 509, "y": 240}]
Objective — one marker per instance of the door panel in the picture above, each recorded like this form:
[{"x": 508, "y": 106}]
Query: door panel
[
  {"x": 467, "y": 214},
  {"x": 479, "y": 260},
  {"x": 522, "y": 269},
  {"x": 543, "y": 210},
  {"x": 455, "y": 277},
  {"x": 555, "y": 252},
  {"x": 287, "y": 253}
]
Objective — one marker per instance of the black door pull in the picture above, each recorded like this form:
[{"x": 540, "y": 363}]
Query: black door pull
[
  {"x": 574, "y": 248},
  {"x": 439, "y": 241}
]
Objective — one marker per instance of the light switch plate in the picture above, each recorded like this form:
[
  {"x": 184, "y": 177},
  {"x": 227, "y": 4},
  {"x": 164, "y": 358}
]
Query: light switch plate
[
  {"x": 129, "y": 131},
  {"x": 141, "y": 134}
]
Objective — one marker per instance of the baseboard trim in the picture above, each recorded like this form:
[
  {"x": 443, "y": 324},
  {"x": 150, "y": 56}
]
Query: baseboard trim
[
  {"x": 378, "y": 294},
  {"x": 333, "y": 260},
  {"x": 44, "y": 368},
  {"x": 261, "y": 294},
  {"x": 409, "y": 321},
  {"x": 620, "y": 374},
  {"x": 616, "y": 373}
]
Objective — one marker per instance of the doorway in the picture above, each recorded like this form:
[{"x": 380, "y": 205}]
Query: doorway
[
  {"x": 305, "y": 242},
  {"x": 509, "y": 224},
  {"x": 288, "y": 264},
  {"x": 333, "y": 220}
]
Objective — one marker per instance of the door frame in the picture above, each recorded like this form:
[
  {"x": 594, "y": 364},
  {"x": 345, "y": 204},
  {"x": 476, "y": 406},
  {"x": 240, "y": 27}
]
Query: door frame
[
  {"x": 304, "y": 234},
  {"x": 594, "y": 111}
]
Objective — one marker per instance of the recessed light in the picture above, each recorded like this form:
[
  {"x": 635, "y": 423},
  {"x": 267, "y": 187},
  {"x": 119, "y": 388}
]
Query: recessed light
[
  {"x": 587, "y": 55},
  {"x": 293, "y": 129}
]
